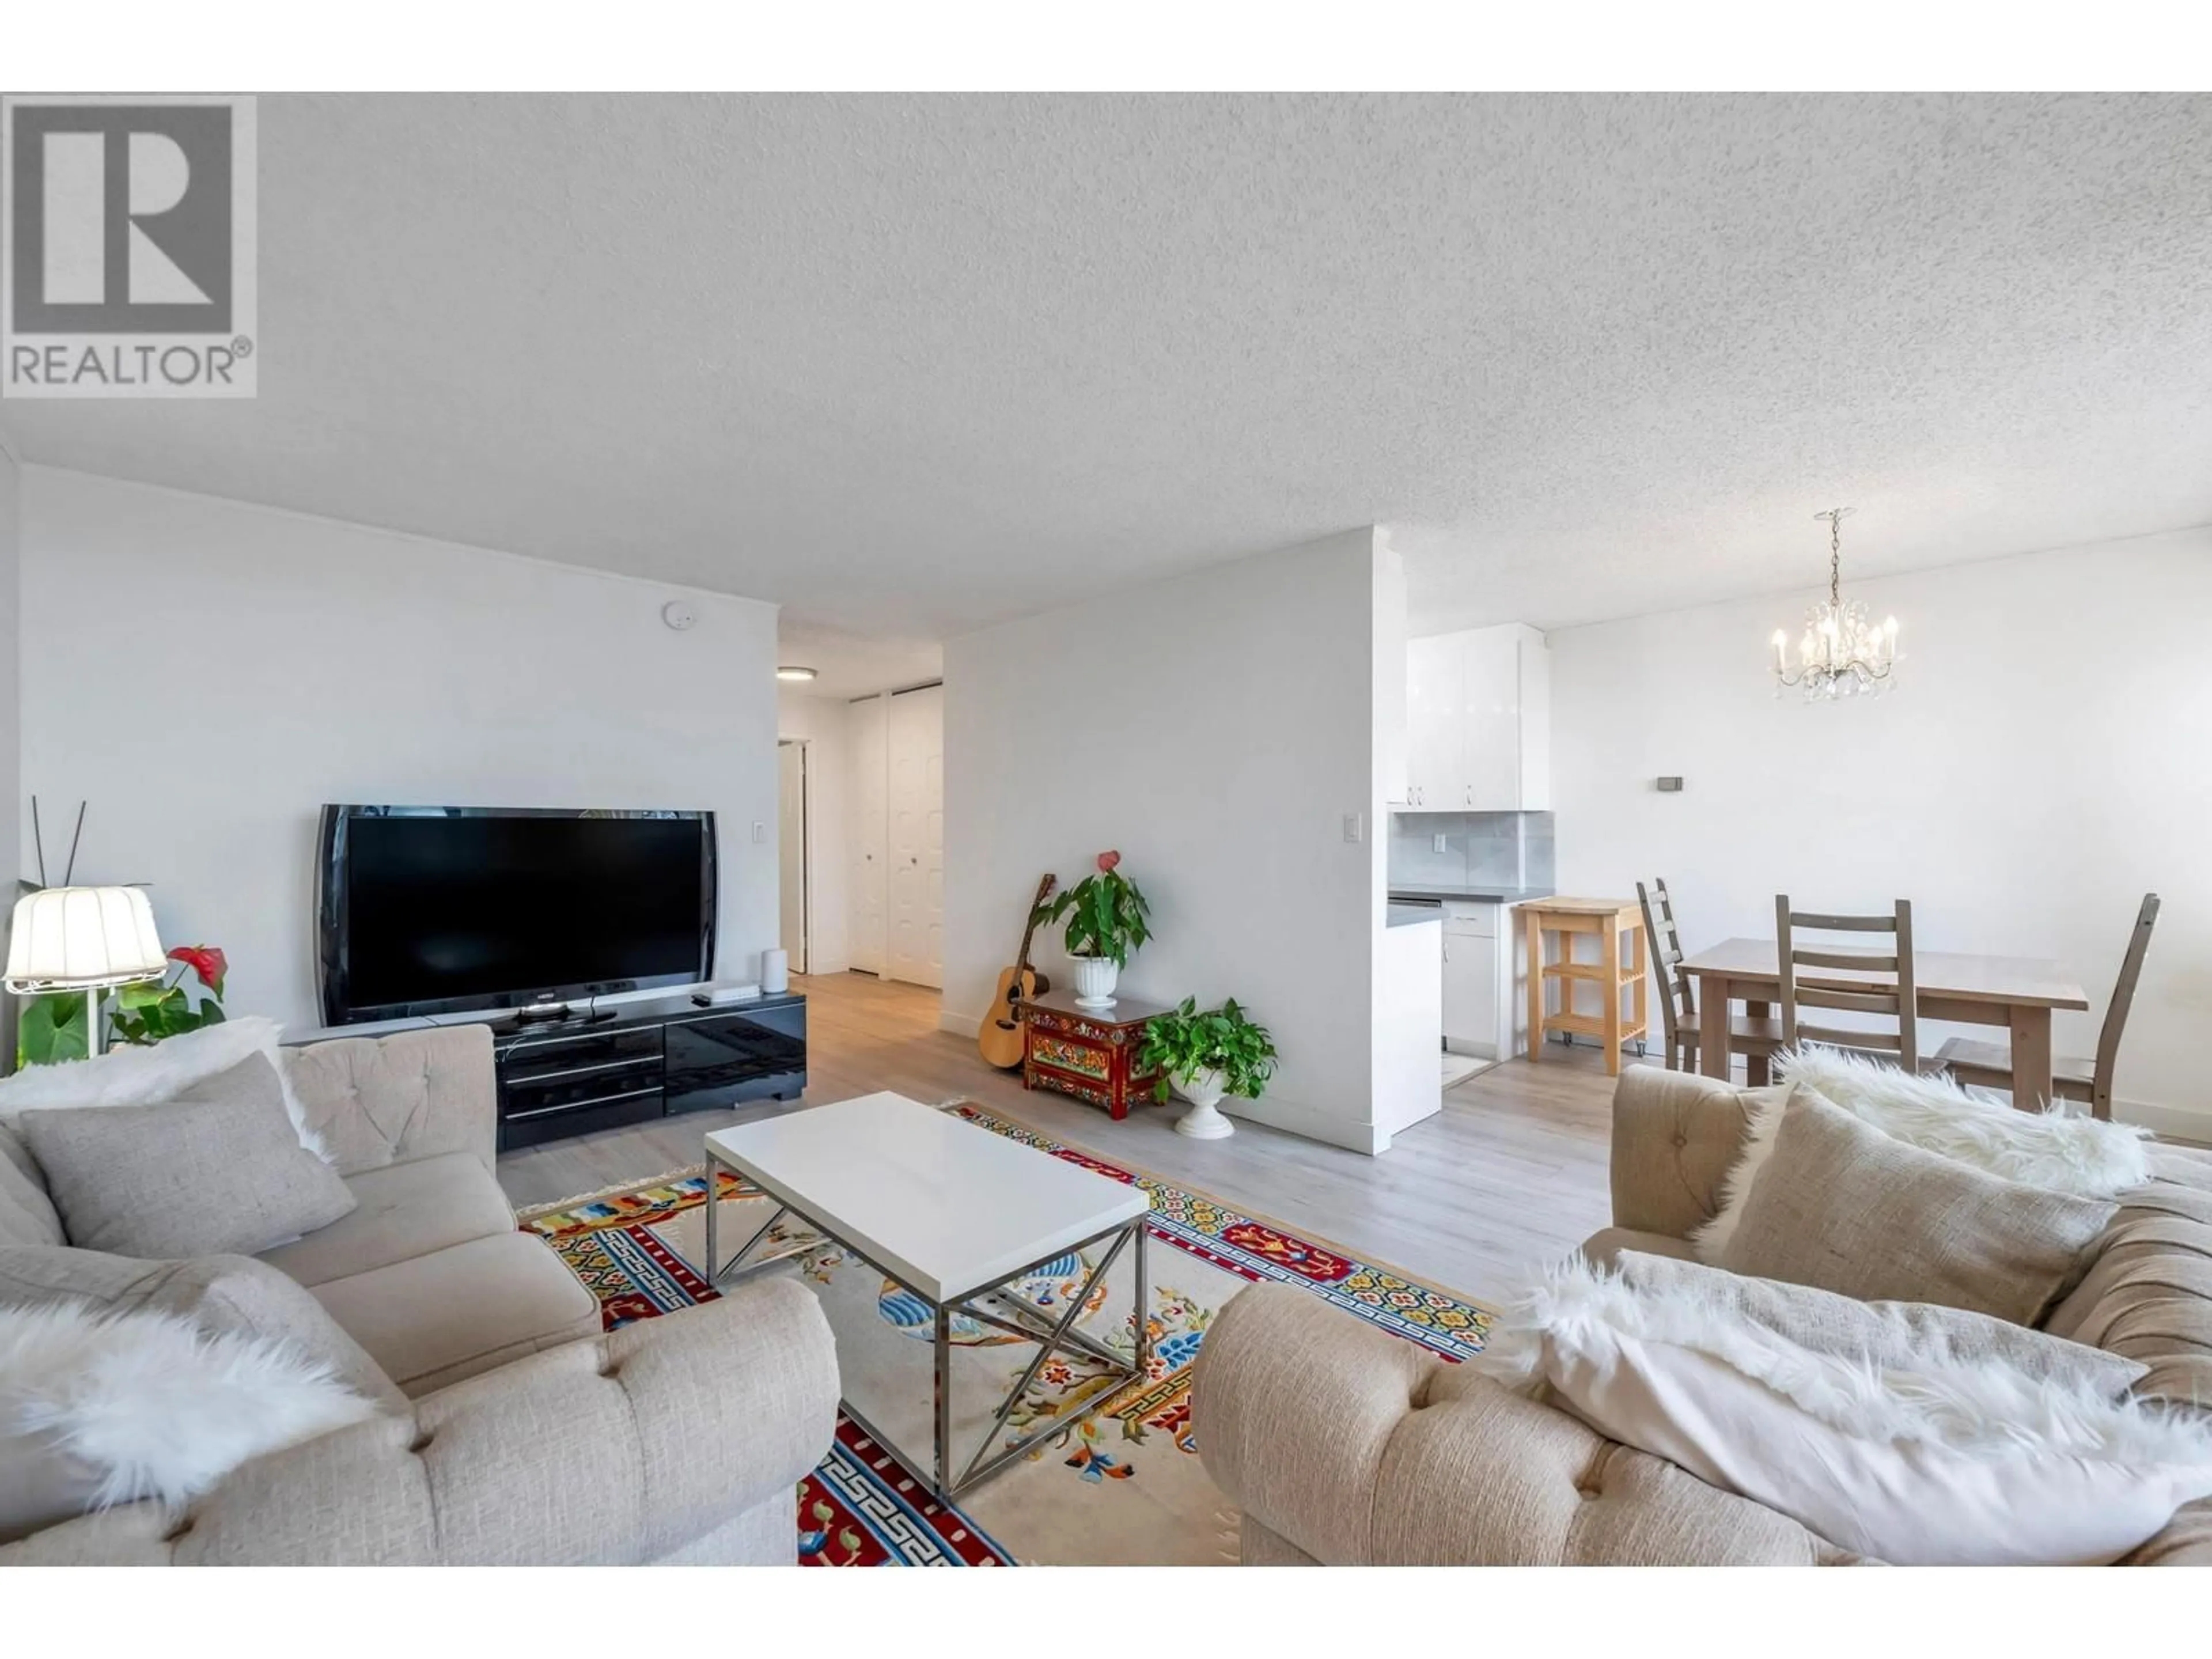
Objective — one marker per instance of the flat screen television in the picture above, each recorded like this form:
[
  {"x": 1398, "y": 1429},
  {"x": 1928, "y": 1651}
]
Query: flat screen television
[{"x": 443, "y": 910}]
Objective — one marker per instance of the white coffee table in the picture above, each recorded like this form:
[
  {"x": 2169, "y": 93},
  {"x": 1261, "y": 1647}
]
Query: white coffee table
[{"x": 955, "y": 1213}]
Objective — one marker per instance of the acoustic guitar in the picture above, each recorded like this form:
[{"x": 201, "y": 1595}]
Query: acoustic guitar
[{"x": 999, "y": 1036}]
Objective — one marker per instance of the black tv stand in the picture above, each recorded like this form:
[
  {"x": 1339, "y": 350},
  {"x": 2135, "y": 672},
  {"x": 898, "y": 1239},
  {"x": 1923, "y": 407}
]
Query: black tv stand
[
  {"x": 550, "y": 1017},
  {"x": 636, "y": 1061}
]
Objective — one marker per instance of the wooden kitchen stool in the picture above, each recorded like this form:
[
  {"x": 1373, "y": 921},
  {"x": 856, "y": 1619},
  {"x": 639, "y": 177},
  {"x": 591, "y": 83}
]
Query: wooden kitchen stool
[{"x": 1621, "y": 967}]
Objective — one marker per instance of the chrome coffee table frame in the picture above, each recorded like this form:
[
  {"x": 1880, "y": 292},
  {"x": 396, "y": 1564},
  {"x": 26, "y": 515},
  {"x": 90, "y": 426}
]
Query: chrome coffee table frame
[{"x": 1027, "y": 1322}]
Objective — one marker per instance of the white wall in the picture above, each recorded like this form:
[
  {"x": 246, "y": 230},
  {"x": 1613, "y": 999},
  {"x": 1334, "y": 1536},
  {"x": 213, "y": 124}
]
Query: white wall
[
  {"x": 1215, "y": 729},
  {"x": 10, "y": 715},
  {"x": 208, "y": 674},
  {"x": 823, "y": 724},
  {"x": 2045, "y": 760}
]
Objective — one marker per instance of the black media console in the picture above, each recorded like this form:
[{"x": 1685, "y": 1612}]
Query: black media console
[{"x": 640, "y": 1060}]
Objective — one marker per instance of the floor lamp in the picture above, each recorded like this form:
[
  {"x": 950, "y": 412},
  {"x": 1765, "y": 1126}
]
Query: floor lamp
[{"x": 84, "y": 939}]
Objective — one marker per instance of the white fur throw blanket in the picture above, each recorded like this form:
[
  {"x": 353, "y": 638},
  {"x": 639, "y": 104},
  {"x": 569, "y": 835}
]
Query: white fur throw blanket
[
  {"x": 148, "y": 1075},
  {"x": 1934, "y": 1461},
  {"x": 98, "y": 1409},
  {"x": 2057, "y": 1150}
]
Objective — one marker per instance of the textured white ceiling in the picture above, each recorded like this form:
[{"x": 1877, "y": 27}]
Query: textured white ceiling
[{"x": 910, "y": 365}]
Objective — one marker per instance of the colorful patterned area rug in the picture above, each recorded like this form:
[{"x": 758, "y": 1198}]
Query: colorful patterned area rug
[{"x": 1123, "y": 1487}]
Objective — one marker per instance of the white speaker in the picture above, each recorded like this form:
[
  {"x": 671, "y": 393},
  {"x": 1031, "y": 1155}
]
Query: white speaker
[{"x": 775, "y": 972}]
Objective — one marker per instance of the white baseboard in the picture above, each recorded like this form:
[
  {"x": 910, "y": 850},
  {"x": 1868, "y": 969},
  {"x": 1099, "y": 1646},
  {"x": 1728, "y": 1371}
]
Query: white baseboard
[
  {"x": 2180, "y": 1122},
  {"x": 1311, "y": 1122},
  {"x": 959, "y": 1024}
]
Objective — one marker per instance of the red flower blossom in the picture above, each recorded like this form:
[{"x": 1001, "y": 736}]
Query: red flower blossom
[
  {"x": 1107, "y": 860},
  {"x": 207, "y": 961}
]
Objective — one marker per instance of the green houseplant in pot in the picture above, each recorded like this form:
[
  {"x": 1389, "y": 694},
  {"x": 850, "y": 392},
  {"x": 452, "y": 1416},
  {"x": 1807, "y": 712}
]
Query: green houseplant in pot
[
  {"x": 1107, "y": 919},
  {"x": 54, "y": 1026},
  {"x": 1206, "y": 1056}
]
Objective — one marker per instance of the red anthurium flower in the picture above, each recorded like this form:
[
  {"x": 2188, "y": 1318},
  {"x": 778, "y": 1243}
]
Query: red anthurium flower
[
  {"x": 207, "y": 961},
  {"x": 1107, "y": 860}
]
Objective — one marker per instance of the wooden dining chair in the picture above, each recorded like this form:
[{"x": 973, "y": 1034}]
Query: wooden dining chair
[
  {"x": 1880, "y": 984},
  {"x": 1989, "y": 1065},
  {"x": 1756, "y": 1037}
]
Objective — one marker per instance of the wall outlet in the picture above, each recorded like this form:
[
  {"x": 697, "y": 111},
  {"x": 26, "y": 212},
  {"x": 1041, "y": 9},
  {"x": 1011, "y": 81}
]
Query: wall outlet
[
  {"x": 1443, "y": 842},
  {"x": 1355, "y": 826}
]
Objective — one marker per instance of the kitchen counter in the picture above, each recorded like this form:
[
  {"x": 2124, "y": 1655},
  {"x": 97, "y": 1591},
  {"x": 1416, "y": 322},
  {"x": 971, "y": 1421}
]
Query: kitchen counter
[
  {"x": 1473, "y": 895},
  {"x": 1411, "y": 915}
]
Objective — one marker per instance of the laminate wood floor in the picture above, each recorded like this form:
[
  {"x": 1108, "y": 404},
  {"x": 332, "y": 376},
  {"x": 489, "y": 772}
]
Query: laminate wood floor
[{"x": 1511, "y": 1173}]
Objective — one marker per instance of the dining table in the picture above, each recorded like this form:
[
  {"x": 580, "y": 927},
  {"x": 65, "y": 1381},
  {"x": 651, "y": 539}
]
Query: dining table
[{"x": 2018, "y": 992}]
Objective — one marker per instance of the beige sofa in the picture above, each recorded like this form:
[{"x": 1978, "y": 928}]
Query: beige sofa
[
  {"x": 515, "y": 1432},
  {"x": 1344, "y": 1444}
]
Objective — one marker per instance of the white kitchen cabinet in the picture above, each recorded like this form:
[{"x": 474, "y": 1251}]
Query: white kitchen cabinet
[
  {"x": 1470, "y": 993},
  {"x": 1433, "y": 695},
  {"x": 1489, "y": 720},
  {"x": 1483, "y": 1008},
  {"x": 1478, "y": 721}
]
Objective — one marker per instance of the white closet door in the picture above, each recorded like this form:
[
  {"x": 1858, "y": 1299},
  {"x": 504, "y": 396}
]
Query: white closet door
[
  {"x": 917, "y": 837},
  {"x": 791, "y": 850},
  {"x": 867, "y": 926}
]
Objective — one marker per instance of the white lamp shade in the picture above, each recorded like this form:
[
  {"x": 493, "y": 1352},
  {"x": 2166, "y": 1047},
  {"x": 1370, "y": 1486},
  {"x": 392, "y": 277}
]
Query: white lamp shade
[{"x": 71, "y": 938}]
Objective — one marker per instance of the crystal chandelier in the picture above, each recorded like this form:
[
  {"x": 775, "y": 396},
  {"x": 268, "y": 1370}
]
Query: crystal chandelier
[{"x": 1841, "y": 653}]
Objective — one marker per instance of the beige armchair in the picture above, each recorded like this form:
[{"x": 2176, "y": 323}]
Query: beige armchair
[{"x": 1343, "y": 1444}]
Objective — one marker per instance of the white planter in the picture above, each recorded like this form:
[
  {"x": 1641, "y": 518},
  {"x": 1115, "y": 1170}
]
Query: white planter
[
  {"x": 1204, "y": 1120},
  {"x": 1095, "y": 979}
]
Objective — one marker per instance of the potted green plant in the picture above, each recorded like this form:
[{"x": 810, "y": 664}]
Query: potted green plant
[
  {"x": 53, "y": 1028},
  {"x": 1107, "y": 919},
  {"x": 1206, "y": 1056}
]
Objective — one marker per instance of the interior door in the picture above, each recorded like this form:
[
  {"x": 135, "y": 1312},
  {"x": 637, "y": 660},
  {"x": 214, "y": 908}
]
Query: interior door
[
  {"x": 791, "y": 850},
  {"x": 868, "y": 922},
  {"x": 917, "y": 837}
]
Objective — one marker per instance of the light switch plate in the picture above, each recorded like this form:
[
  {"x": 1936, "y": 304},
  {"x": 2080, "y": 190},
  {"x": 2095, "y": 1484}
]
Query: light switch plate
[
  {"x": 760, "y": 832},
  {"x": 1355, "y": 826}
]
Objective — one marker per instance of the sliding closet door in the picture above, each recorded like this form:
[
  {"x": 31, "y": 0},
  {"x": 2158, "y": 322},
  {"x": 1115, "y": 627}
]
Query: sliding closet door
[
  {"x": 868, "y": 922},
  {"x": 917, "y": 837},
  {"x": 791, "y": 850}
]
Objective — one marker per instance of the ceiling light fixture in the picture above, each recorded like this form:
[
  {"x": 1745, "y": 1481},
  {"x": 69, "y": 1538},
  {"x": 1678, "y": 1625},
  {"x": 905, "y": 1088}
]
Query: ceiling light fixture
[
  {"x": 792, "y": 672},
  {"x": 1841, "y": 654}
]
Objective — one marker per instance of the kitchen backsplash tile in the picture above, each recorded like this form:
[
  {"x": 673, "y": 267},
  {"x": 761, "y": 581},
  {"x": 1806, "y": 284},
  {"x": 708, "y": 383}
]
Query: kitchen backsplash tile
[
  {"x": 1480, "y": 850},
  {"x": 1539, "y": 859}
]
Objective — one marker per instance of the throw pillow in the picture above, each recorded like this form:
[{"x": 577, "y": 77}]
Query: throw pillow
[
  {"x": 2064, "y": 1152},
  {"x": 1838, "y": 1204},
  {"x": 26, "y": 1214},
  {"x": 219, "y": 1294},
  {"x": 217, "y": 1171},
  {"x": 97, "y": 1409},
  {"x": 1939, "y": 1459},
  {"x": 135, "y": 1075}
]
